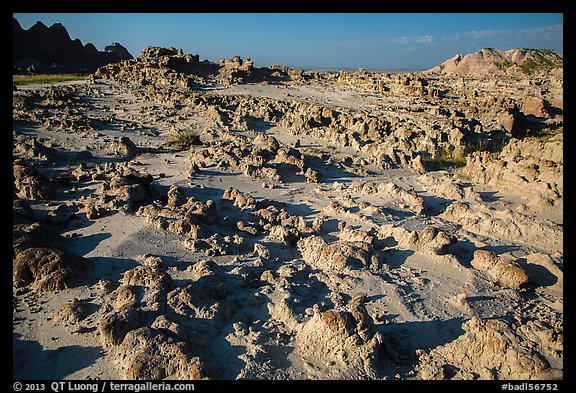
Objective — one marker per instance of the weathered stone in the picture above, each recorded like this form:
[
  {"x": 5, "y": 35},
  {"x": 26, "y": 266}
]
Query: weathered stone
[
  {"x": 150, "y": 354},
  {"x": 113, "y": 327},
  {"x": 47, "y": 269},
  {"x": 502, "y": 270}
]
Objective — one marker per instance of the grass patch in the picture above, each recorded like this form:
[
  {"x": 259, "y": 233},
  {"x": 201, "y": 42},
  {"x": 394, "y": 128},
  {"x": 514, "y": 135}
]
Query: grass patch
[
  {"x": 548, "y": 132},
  {"x": 529, "y": 65},
  {"x": 490, "y": 145},
  {"x": 445, "y": 160},
  {"x": 46, "y": 78},
  {"x": 321, "y": 151},
  {"x": 183, "y": 140},
  {"x": 443, "y": 163},
  {"x": 504, "y": 64}
]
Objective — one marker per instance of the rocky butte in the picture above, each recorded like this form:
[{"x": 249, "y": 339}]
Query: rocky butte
[
  {"x": 51, "y": 50},
  {"x": 183, "y": 219}
]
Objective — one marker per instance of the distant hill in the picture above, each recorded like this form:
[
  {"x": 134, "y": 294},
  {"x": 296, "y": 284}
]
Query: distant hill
[
  {"x": 51, "y": 50},
  {"x": 494, "y": 61}
]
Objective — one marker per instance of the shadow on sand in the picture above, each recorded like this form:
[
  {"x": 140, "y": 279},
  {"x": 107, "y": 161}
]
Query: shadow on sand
[
  {"x": 30, "y": 361},
  {"x": 407, "y": 337}
]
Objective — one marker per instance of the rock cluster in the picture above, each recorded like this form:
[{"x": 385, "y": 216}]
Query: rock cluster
[
  {"x": 47, "y": 269},
  {"x": 481, "y": 219},
  {"x": 46, "y": 49},
  {"x": 346, "y": 339},
  {"x": 184, "y": 70},
  {"x": 261, "y": 159},
  {"x": 382, "y": 136},
  {"x": 30, "y": 184},
  {"x": 504, "y": 271},
  {"x": 531, "y": 165},
  {"x": 39, "y": 261},
  {"x": 497, "y": 349},
  {"x": 338, "y": 256}
]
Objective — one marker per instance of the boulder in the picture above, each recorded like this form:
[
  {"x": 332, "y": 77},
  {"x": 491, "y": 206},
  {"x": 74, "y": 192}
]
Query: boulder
[
  {"x": 72, "y": 313},
  {"x": 337, "y": 256},
  {"x": 151, "y": 354},
  {"x": 47, "y": 269},
  {"x": 496, "y": 349},
  {"x": 345, "y": 339},
  {"x": 114, "y": 326},
  {"x": 30, "y": 184},
  {"x": 502, "y": 270}
]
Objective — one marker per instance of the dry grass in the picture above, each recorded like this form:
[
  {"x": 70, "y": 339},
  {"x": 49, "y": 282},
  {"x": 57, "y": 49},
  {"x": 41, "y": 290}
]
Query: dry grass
[{"x": 183, "y": 140}]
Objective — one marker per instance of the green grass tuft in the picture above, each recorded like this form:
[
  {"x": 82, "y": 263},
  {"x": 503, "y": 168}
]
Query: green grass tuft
[
  {"x": 445, "y": 160},
  {"x": 46, "y": 78},
  {"x": 548, "y": 133}
]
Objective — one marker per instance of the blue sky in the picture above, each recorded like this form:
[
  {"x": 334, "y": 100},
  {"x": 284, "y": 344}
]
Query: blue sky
[{"x": 339, "y": 40}]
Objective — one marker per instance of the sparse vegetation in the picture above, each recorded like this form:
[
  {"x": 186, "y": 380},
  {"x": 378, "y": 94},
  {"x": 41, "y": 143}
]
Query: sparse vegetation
[
  {"x": 529, "y": 65},
  {"x": 183, "y": 140},
  {"x": 320, "y": 150},
  {"x": 46, "y": 78},
  {"x": 445, "y": 159},
  {"x": 549, "y": 132},
  {"x": 492, "y": 145},
  {"x": 504, "y": 64}
]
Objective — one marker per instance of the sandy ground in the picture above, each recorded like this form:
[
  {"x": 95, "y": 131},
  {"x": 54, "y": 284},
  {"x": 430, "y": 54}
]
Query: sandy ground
[{"x": 410, "y": 295}]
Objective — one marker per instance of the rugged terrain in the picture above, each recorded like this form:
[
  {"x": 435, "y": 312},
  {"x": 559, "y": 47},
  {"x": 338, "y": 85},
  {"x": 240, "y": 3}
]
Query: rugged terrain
[{"x": 182, "y": 219}]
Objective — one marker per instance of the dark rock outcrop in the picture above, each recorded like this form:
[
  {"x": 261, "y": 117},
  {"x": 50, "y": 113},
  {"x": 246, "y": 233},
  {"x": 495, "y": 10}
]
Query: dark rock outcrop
[{"x": 51, "y": 50}]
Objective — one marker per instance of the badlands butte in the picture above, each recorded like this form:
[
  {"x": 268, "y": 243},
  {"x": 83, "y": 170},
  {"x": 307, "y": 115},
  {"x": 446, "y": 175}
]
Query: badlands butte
[{"x": 184, "y": 219}]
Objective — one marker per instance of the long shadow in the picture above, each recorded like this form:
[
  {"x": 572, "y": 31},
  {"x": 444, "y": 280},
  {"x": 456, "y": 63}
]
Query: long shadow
[
  {"x": 107, "y": 268},
  {"x": 30, "y": 361},
  {"x": 258, "y": 125},
  {"x": 427, "y": 335},
  {"x": 538, "y": 274},
  {"x": 464, "y": 250},
  {"x": 84, "y": 244},
  {"x": 155, "y": 150},
  {"x": 407, "y": 337},
  {"x": 213, "y": 172},
  {"x": 64, "y": 158},
  {"x": 397, "y": 214},
  {"x": 330, "y": 226},
  {"x": 328, "y": 173},
  {"x": 77, "y": 221},
  {"x": 396, "y": 258},
  {"x": 60, "y": 158},
  {"x": 489, "y": 196},
  {"x": 434, "y": 205}
]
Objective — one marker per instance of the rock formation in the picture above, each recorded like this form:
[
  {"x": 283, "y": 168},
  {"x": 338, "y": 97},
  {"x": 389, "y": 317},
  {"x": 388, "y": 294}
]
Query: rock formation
[
  {"x": 51, "y": 50},
  {"x": 494, "y": 61}
]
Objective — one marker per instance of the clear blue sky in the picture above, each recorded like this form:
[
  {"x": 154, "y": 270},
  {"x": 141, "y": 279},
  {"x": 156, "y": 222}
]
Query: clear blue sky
[{"x": 340, "y": 40}]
